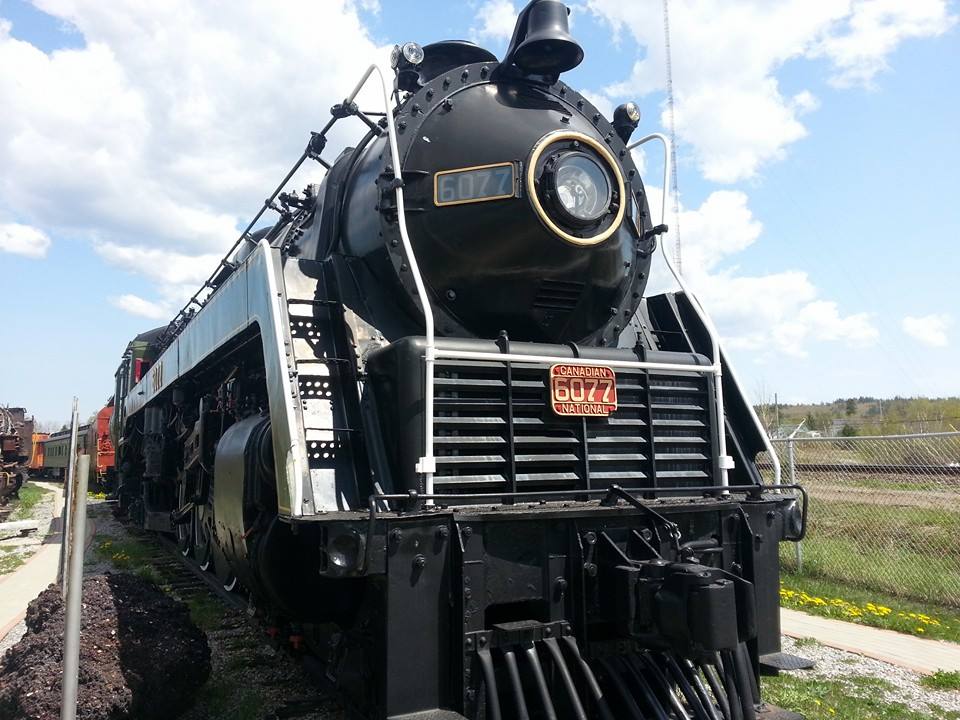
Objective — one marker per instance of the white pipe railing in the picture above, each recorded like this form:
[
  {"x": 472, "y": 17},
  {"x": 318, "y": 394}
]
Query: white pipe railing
[
  {"x": 76, "y": 506},
  {"x": 725, "y": 461},
  {"x": 427, "y": 464},
  {"x": 627, "y": 364},
  {"x": 68, "y": 496}
]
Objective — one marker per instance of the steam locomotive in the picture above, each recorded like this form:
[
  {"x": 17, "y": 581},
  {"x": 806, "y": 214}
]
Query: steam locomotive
[{"x": 430, "y": 424}]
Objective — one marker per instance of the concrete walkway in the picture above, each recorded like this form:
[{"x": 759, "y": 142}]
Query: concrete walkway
[
  {"x": 21, "y": 586},
  {"x": 917, "y": 654}
]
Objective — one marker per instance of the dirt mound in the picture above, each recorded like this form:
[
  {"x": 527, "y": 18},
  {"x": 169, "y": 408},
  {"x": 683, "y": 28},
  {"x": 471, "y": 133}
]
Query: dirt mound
[{"x": 140, "y": 655}]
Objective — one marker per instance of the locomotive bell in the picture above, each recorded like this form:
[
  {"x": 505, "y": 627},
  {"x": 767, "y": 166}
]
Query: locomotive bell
[{"x": 541, "y": 42}]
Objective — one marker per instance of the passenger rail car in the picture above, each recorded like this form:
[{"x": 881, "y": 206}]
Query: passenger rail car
[
  {"x": 56, "y": 451},
  {"x": 93, "y": 439},
  {"x": 430, "y": 423}
]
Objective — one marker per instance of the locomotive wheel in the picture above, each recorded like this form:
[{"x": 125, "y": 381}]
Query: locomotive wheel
[
  {"x": 202, "y": 549},
  {"x": 185, "y": 531},
  {"x": 223, "y": 571},
  {"x": 185, "y": 537}
]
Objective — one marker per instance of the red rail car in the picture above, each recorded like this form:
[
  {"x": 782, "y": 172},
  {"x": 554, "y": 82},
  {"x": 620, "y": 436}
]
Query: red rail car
[
  {"x": 100, "y": 447},
  {"x": 36, "y": 456}
]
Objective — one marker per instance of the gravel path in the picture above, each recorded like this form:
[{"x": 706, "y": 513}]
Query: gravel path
[
  {"x": 26, "y": 545},
  {"x": 837, "y": 664},
  {"x": 13, "y": 543}
]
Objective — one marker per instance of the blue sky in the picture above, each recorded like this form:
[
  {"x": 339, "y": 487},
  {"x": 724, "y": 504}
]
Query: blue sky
[{"x": 817, "y": 147}]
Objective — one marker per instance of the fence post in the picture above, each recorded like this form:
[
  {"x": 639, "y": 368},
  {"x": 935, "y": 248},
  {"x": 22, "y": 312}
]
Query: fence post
[
  {"x": 792, "y": 467},
  {"x": 74, "y": 571},
  {"x": 68, "y": 493}
]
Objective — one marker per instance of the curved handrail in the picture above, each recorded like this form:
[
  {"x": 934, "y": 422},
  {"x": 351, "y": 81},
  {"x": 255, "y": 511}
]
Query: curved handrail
[{"x": 711, "y": 331}]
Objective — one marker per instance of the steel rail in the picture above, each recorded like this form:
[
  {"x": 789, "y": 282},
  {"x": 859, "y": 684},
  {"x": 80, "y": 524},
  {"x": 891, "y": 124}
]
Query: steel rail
[{"x": 860, "y": 438}]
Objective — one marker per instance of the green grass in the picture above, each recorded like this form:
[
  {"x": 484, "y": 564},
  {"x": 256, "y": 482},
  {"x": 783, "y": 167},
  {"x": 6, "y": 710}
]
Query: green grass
[
  {"x": 846, "y": 698},
  {"x": 942, "y": 680},
  {"x": 10, "y": 560},
  {"x": 130, "y": 555},
  {"x": 205, "y": 612},
  {"x": 903, "y": 551},
  {"x": 29, "y": 496},
  {"x": 905, "y": 615},
  {"x": 224, "y": 697}
]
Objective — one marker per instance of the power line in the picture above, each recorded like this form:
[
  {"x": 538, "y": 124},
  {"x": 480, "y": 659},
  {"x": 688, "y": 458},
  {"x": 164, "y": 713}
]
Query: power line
[{"x": 674, "y": 189}]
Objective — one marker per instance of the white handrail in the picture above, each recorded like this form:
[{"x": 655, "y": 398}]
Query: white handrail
[
  {"x": 427, "y": 465},
  {"x": 725, "y": 460},
  {"x": 552, "y": 359}
]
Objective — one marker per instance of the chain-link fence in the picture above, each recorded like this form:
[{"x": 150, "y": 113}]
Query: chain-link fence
[{"x": 884, "y": 512}]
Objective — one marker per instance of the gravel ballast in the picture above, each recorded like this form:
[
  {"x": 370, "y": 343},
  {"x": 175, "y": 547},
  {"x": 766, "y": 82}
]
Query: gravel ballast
[{"x": 833, "y": 664}]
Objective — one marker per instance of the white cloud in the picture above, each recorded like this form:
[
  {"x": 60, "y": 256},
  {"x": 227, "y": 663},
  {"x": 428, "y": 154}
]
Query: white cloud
[
  {"x": 874, "y": 29},
  {"x": 162, "y": 266},
  {"x": 779, "y": 312},
  {"x": 23, "y": 240},
  {"x": 730, "y": 109},
  {"x": 929, "y": 329},
  {"x": 496, "y": 19},
  {"x": 136, "y": 305},
  {"x": 168, "y": 127}
]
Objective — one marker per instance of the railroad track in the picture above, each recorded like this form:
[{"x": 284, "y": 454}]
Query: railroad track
[{"x": 241, "y": 639}]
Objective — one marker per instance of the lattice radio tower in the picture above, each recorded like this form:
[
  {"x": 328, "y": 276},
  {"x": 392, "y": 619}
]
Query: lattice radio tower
[{"x": 673, "y": 190}]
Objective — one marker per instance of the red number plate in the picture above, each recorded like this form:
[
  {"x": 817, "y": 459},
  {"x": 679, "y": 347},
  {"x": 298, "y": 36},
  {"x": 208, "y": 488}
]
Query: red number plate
[{"x": 581, "y": 390}]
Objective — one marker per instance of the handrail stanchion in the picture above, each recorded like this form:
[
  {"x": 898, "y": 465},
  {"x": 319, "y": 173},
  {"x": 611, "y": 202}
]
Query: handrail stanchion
[
  {"x": 428, "y": 464},
  {"x": 68, "y": 494},
  {"x": 726, "y": 462},
  {"x": 74, "y": 597}
]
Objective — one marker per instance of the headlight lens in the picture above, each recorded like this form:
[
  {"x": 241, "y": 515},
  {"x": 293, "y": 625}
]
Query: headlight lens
[
  {"x": 413, "y": 53},
  {"x": 582, "y": 187}
]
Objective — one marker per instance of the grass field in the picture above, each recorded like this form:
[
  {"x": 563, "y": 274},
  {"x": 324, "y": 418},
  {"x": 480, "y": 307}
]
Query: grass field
[
  {"x": 907, "y": 552},
  {"x": 828, "y": 598},
  {"x": 130, "y": 555},
  {"x": 10, "y": 560},
  {"x": 850, "y": 697},
  {"x": 30, "y": 495}
]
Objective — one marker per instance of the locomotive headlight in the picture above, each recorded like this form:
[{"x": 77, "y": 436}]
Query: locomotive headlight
[
  {"x": 576, "y": 187},
  {"x": 412, "y": 53},
  {"x": 582, "y": 188}
]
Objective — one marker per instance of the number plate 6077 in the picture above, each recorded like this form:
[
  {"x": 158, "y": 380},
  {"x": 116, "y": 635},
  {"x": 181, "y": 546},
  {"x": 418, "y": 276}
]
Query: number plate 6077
[{"x": 583, "y": 390}]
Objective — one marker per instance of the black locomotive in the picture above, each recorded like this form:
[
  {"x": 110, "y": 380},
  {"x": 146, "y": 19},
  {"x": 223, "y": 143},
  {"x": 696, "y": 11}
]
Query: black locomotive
[{"x": 430, "y": 424}]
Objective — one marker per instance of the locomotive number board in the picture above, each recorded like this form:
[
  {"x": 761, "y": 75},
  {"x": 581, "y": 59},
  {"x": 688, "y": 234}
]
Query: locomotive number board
[
  {"x": 583, "y": 390},
  {"x": 474, "y": 184}
]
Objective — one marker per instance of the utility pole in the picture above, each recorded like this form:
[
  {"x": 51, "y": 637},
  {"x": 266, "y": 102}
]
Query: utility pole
[
  {"x": 674, "y": 189},
  {"x": 776, "y": 410}
]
